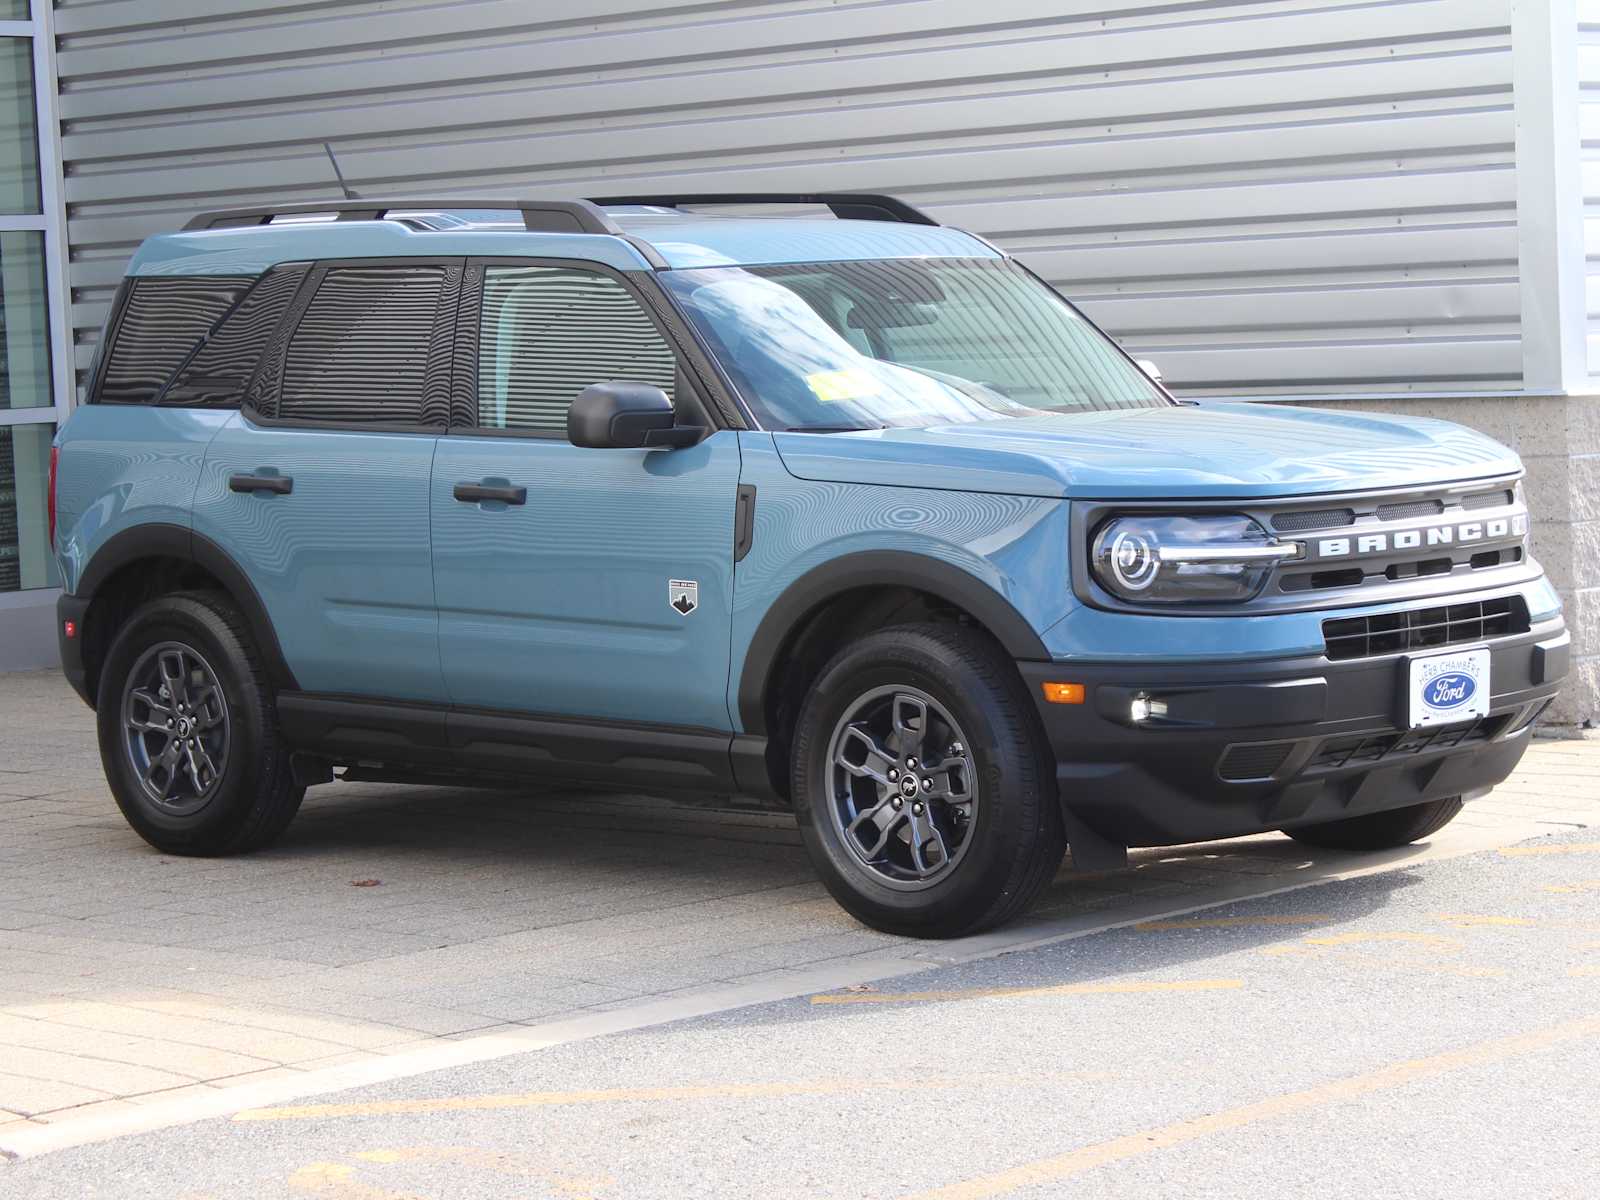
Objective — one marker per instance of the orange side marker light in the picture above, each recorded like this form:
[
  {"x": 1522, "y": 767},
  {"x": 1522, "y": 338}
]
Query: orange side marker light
[{"x": 1063, "y": 693}]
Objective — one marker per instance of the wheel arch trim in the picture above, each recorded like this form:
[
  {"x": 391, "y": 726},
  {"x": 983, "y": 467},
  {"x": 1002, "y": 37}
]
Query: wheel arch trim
[
  {"x": 865, "y": 569},
  {"x": 162, "y": 540}
]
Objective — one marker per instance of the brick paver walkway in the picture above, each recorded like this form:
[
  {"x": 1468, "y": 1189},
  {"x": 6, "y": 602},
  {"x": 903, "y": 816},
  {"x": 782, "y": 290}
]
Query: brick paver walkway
[{"x": 392, "y": 915}]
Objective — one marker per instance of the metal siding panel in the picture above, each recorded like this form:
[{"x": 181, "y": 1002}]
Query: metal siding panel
[{"x": 1274, "y": 196}]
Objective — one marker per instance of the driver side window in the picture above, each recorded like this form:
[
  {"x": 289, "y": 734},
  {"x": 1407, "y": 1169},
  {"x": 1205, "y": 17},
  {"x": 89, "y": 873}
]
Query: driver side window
[{"x": 546, "y": 333}]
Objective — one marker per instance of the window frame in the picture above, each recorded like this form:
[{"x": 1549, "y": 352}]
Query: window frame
[
  {"x": 708, "y": 404},
  {"x": 50, "y": 222},
  {"x": 265, "y": 389}
]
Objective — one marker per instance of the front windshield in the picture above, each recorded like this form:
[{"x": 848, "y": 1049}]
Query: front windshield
[{"x": 907, "y": 342}]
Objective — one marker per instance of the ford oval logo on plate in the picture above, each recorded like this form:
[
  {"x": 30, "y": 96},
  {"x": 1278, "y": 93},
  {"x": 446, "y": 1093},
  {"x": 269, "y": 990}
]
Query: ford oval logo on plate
[
  {"x": 1448, "y": 691},
  {"x": 1449, "y": 688}
]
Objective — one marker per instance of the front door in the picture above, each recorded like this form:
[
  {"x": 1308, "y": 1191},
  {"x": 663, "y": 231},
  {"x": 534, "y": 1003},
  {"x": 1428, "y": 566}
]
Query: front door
[{"x": 577, "y": 582}]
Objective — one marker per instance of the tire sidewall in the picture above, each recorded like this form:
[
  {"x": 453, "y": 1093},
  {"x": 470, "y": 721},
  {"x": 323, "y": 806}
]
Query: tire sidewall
[
  {"x": 180, "y": 619},
  {"x": 1009, "y": 803}
]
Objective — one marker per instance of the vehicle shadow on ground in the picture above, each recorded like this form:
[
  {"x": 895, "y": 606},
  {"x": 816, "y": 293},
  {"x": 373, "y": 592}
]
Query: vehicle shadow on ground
[{"x": 639, "y": 844}]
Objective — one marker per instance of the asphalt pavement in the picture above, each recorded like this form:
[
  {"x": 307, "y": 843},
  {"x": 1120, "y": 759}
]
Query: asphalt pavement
[{"x": 1428, "y": 1031}]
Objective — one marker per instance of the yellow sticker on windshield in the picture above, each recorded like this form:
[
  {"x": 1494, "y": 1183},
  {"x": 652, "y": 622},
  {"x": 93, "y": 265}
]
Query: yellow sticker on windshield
[{"x": 850, "y": 383}]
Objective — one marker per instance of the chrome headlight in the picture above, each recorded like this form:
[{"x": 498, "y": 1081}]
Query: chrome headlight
[{"x": 1174, "y": 560}]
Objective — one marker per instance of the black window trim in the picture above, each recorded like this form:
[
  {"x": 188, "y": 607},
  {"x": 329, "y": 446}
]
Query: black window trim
[
  {"x": 267, "y": 383},
  {"x": 707, "y": 393},
  {"x": 113, "y": 327}
]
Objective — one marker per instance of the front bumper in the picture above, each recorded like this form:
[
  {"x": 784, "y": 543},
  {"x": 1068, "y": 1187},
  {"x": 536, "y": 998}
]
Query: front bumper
[{"x": 1250, "y": 747}]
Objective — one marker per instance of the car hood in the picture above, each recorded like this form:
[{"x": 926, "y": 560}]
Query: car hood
[{"x": 1223, "y": 451}]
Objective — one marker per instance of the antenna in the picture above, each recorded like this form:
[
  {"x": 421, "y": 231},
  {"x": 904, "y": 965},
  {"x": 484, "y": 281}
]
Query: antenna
[{"x": 349, "y": 192}]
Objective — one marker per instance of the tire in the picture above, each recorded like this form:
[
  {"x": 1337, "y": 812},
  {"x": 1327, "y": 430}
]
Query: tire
[
  {"x": 993, "y": 853},
  {"x": 188, "y": 659},
  {"x": 1380, "y": 830}
]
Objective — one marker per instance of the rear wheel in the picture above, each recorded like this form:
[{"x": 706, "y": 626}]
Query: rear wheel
[
  {"x": 1381, "y": 830},
  {"x": 188, "y": 734},
  {"x": 922, "y": 786}
]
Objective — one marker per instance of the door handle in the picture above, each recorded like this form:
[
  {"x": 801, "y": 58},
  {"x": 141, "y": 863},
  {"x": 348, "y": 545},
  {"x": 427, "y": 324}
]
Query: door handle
[
  {"x": 474, "y": 493},
  {"x": 278, "y": 485}
]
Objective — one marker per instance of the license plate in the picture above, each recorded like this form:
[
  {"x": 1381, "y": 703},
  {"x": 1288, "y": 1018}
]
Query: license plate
[{"x": 1446, "y": 689}]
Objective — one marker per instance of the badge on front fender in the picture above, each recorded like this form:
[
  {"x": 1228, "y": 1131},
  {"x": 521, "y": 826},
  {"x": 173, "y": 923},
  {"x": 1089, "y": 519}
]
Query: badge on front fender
[
  {"x": 1447, "y": 689},
  {"x": 683, "y": 595}
]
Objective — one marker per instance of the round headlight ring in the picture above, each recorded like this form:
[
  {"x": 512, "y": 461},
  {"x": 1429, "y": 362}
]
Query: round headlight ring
[{"x": 1133, "y": 560}]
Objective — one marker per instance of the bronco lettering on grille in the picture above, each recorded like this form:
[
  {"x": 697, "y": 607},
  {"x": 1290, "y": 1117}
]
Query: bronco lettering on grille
[{"x": 1417, "y": 538}]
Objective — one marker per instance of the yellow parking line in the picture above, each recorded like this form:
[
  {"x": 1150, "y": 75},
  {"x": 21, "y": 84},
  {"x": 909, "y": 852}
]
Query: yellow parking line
[
  {"x": 1571, "y": 848},
  {"x": 708, "y": 1091},
  {"x": 336, "y": 1181},
  {"x": 1468, "y": 920},
  {"x": 1583, "y": 885},
  {"x": 1076, "y": 1162},
  {"x": 1357, "y": 937},
  {"x": 1059, "y": 989},
  {"x": 1232, "y": 922}
]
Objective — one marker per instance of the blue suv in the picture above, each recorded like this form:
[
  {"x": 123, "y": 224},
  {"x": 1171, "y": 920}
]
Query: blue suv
[{"x": 851, "y": 514}]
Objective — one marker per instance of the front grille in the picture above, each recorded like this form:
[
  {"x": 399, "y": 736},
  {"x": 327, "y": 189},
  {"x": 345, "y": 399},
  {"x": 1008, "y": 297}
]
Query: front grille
[
  {"x": 1411, "y": 508},
  {"x": 1364, "y": 749},
  {"x": 1399, "y": 539},
  {"x": 1424, "y": 628},
  {"x": 1253, "y": 760},
  {"x": 1302, "y": 522}
]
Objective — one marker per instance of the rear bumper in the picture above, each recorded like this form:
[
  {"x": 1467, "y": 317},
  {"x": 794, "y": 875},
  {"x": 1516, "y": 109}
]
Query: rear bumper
[
  {"x": 72, "y": 608},
  {"x": 1250, "y": 747}
]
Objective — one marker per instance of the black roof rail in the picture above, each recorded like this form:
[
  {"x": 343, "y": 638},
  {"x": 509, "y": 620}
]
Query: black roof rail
[
  {"x": 540, "y": 216},
  {"x": 854, "y": 206}
]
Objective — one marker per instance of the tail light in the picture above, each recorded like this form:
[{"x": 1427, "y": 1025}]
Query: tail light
[{"x": 55, "y": 453}]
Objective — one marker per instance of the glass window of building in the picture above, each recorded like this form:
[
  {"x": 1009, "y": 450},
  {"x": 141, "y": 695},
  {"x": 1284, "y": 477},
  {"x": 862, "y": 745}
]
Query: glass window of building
[{"x": 33, "y": 397}]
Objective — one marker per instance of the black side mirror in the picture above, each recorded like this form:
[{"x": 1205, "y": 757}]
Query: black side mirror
[{"x": 626, "y": 416}]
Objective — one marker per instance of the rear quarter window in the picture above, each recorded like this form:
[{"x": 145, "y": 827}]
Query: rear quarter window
[{"x": 162, "y": 321}]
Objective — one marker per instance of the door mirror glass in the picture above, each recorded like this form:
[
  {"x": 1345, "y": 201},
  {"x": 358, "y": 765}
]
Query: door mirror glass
[{"x": 626, "y": 416}]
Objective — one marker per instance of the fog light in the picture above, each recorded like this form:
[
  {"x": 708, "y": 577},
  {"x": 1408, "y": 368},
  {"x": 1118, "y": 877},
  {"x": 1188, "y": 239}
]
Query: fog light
[{"x": 1145, "y": 707}]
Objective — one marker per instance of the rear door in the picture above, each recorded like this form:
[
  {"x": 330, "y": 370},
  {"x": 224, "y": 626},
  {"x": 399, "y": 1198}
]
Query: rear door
[
  {"x": 318, "y": 488},
  {"x": 602, "y": 589}
]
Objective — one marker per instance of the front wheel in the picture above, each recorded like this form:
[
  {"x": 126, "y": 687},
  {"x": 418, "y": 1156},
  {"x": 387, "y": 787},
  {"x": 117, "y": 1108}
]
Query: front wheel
[
  {"x": 922, "y": 786},
  {"x": 1381, "y": 830},
  {"x": 188, "y": 732}
]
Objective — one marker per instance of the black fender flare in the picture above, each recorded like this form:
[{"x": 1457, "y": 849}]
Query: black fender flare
[
  {"x": 161, "y": 540},
  {"x": 875, "y": 568}
]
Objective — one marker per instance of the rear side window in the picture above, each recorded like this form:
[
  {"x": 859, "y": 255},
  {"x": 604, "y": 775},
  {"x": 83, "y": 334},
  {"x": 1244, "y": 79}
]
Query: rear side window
[
  {"x": 219, "y": 370},
  {"x": 162, "y": 321},
  {"x": 546, "y": 333},
  {"x": 371, "y": 349}
]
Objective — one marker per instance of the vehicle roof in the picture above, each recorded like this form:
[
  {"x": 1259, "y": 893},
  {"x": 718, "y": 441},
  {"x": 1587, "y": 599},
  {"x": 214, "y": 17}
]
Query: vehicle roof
[{"x": 679, "y": 239}]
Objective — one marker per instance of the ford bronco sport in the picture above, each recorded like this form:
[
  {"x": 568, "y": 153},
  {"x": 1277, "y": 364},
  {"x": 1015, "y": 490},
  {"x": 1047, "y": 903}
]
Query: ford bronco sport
[{"x": 851, "y": 514}]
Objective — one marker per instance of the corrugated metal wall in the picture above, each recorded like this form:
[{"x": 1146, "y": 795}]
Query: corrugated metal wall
[
  {"x": 1265, "y": 196},
  {"x": 1589, "y": 131}
]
